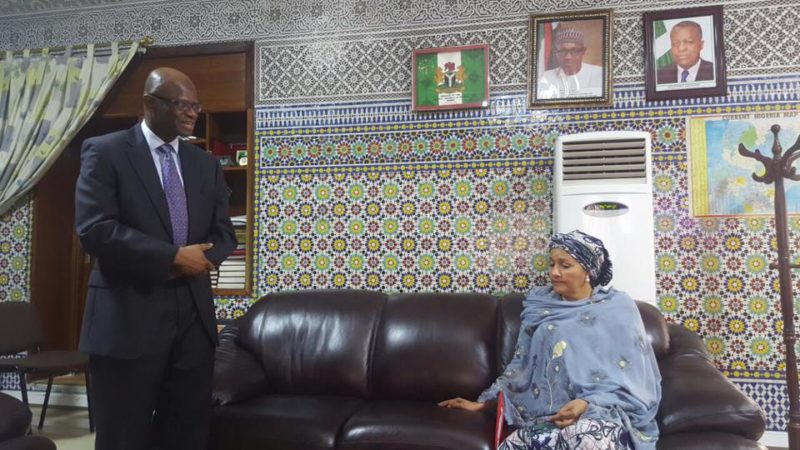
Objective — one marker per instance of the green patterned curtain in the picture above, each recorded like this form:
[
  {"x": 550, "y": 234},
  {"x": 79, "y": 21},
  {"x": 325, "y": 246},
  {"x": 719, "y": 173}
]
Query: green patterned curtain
[{"x": 44, "y": 100}]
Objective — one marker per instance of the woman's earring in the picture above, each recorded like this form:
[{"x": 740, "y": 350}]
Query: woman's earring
[{"x": 588, "y": 279}]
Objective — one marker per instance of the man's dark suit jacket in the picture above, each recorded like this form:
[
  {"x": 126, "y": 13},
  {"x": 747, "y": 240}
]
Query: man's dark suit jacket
[
  {"x": 122, "y": 218},
  {"x": 669, "y": 74}
]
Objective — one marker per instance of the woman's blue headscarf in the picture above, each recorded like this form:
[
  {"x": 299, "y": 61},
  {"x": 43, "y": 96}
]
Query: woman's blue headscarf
[{"x": 590, "y": 253}]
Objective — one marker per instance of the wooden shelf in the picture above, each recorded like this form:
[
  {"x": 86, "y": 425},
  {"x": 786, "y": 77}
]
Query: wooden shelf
[
  {"x": 230, "y": 292},
  {"x": 225, "y": 129}
]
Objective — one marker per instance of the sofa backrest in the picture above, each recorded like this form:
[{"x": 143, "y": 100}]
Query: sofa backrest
[
  {"x": 422, "y": 346},
  {"x": 316, "y": 341},
  {"x": 508, "y": 319},
  {"x": 435, "y": 346},
  {"x": 656, "y": 328}
]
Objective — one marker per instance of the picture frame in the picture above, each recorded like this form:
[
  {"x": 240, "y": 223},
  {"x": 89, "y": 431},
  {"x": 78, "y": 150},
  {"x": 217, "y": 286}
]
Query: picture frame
[
  {"x": 225, "y": 160},
  {"x": 684, "y": 53},
  {"x": 447, "y": 78},
  {"x": 569, "y": 59},
  {"x": 241, "y": 157}
]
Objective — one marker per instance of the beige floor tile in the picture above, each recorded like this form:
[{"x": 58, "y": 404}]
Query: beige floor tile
[{"x": 68, "y": 427}]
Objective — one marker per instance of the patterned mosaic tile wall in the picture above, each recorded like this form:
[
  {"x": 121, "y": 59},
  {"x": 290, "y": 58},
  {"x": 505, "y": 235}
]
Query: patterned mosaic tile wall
[
  {"x": 326, "y": 43},
  {"x": 15, "y": 252},
  {"x": 15, "y": 242},
  {"x": 375, "y": 66},
  {"x": 371, "y": 195}
]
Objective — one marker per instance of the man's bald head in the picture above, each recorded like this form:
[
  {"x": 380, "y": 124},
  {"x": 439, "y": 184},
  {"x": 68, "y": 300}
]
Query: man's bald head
[
  {"x": 164, "y": 80},
  {"x": 171, "y": 106}
]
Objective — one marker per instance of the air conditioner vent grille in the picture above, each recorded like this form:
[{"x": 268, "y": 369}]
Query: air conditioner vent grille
[{"x": 604, "y": 159}]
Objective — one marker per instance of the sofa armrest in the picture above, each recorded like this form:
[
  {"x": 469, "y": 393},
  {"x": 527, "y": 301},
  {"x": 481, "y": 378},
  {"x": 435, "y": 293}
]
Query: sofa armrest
[
  {"x": 238, "y": 375},
  {"x": 697, "y": 397}
]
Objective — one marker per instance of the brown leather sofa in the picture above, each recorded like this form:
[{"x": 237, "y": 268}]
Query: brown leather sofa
[
  {"x": 15, "y": 421},
  {"x": 358, "y": 370}
]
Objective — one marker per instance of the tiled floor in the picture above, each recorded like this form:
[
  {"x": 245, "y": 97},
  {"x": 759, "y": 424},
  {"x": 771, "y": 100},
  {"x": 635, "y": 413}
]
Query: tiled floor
[{"x": 68, "y": 427}]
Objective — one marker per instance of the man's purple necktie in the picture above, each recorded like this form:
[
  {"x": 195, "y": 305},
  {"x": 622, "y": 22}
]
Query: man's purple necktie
[
  {"x": 684, "y": 75},
  {"x": 176, "y": 196}
]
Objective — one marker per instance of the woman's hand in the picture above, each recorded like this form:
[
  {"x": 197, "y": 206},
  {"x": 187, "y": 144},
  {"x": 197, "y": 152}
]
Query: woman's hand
[
  {"x": 569, "y": 413},
  {"x": 461, "y": 403}
]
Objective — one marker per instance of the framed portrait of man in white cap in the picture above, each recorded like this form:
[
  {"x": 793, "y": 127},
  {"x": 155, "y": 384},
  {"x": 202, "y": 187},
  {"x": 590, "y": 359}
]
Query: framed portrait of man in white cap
[{"x": 570, "y": 59}]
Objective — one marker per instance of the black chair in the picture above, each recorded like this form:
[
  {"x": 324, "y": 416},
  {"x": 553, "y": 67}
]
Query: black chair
[{"x": 20, "y": 331}]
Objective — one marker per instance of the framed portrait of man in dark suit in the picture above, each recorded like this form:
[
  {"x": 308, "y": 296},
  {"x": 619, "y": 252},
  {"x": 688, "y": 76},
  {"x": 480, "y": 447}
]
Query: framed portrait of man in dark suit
[{"x": 684, "y": 53}]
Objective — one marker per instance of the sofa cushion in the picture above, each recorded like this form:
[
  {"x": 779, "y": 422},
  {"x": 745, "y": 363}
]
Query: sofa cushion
[
  {"x": 404, "y": 425},
  {"x": 707, "y": 440},
  {"x": 314, "y": 342},
  {"x": 435, "y": 346},
  {"x": 287, "y": 422},
  {"x": 15, "y": 417}
]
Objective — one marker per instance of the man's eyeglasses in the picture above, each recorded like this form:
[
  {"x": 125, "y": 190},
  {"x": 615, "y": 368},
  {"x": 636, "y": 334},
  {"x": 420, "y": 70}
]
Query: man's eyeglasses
[
  {"x": 180, "y": 105},
  {"x": 570, "y": 52}
]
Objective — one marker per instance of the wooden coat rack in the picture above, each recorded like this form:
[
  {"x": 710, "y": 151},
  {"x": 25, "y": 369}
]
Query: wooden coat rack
[{"x": 777, "y": 168}]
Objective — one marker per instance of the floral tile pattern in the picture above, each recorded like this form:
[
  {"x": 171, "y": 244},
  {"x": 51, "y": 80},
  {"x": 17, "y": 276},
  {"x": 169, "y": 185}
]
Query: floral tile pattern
[
  {"x": 358, "y": 50},
  {"x": 15, "y": 228},
  {"x": 442, "y": 229},
  {"x": 392, "y": 203},
  {"x": 15, "y": 243}
]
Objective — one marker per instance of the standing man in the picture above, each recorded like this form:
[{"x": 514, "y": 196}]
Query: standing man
[
  {"x": 686, "y": 42},
  {"x": 154, "y": 212},
  {"x": 572, "y": 77}
]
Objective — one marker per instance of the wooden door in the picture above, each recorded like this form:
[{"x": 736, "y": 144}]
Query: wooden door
[
  {"x": 52, "y": 253},
  {"x": 59, "y": 266}
]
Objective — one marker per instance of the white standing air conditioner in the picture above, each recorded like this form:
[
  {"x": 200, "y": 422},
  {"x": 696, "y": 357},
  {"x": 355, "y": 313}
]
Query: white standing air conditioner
[{"x": 604, "y": 187}]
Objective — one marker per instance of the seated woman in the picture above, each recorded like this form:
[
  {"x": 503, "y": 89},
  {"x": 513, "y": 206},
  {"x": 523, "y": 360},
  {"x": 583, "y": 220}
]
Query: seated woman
[{"x": 584, "y": 375}]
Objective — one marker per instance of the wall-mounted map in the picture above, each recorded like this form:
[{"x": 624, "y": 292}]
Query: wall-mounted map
[{"x": 721, "y": 179}]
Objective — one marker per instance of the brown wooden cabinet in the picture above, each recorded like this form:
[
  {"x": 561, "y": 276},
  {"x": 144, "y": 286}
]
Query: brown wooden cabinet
[{"x": 59, "y": 268}]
